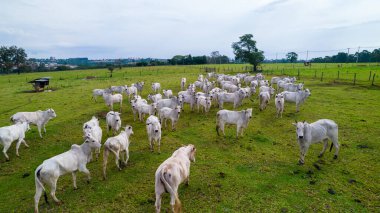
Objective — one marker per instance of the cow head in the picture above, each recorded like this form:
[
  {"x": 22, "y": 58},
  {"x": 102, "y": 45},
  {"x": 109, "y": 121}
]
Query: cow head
[
  {"x": 51, "y": 113},
  {"x": 128, "y": 130},
  {"x": 192, "y": 151},
  {"x": 300, "y": 129},
  {"x": 92, "y": 142}
]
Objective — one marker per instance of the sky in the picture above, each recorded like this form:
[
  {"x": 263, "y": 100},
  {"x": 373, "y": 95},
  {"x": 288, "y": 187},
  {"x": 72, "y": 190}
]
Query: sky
[{"x": 100, "y": 29}]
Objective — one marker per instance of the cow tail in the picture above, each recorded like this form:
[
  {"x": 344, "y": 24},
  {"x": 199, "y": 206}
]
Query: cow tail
[
  {"x": 177, "y": 204},
  {"x": 106, "y": 152},
  {"x": 38, "y": 182},
  {"x": 331, "y": 146}
]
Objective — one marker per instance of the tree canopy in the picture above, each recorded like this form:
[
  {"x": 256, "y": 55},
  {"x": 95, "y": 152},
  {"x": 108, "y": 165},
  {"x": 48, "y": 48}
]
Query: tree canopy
[
  {"x": 11, "y": 58},
  {"x": 245, "y": 50},
  {"x": 292, "y": 57}
]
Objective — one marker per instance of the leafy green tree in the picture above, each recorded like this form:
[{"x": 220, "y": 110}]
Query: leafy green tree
[
  {"x": 245, "y": 50},
  {"x": 292, "y": 57},
  {"x": 11, "y": 57},
  {"x": 110, "y": 68}
]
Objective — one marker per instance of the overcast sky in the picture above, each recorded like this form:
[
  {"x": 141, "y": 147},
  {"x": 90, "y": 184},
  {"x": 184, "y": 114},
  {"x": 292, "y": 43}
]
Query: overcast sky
[{"x": 163, "y": 28}]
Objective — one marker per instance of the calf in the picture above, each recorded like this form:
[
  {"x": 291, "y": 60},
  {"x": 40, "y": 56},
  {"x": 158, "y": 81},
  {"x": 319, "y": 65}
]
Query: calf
[
  {"x": 236, "y": 98},
  {"x": 171, "y": 173},
  {"x": 92, "y": 127},
  {"x": 188, "y": 98},
  {"x": 116, "y": 145},
  {"x": 238, "y": 118},
  {"x": 153, "y": 128},
  {"x": 321, "y": 130},
  {"x": 171, "y": 103},
  {"x": 39, "y": 118},
  {"x": 168, "y": 93},
  {"x": 155, "y": 98},
  {"x": 166, "y": 113},
  {"x": 68, "y": 162},
  {"x": 205, "y": 102},
  {"x": 132, "y": 90},
  {"x": 139, "y": 86},
  {"x": 113, "y": 121},
  {"x": 99, "y": 92},
  {"x": 279, "y": 102},
  {"x": 183, "y": 83},
  {"x": 264, "y": 99},
  {"x": 134, "y": 104},
  {"x": 8, "y": 134}
]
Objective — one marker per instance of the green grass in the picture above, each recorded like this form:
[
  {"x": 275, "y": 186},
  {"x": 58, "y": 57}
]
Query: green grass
[{"x": 256, "y": 173}]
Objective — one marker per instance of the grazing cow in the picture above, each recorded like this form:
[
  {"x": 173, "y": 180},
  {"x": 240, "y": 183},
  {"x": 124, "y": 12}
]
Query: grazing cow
[
  {"x": 92, "y": 127},
  {"x": 149, "y": 109},
  {"x": 270, "y": 89},
  {"x": 274, "y": 80},
  {"x": 263, "y": 83},
  {"x": 249, "y": 79},
  {"x": 236, "y": 98},
  {"x": 132, "y": 90},
  {"x": 264, "y": 100},
  {"x": 116, "y": 145},
  {"x": 231, "y": 87},
  {"x": 155, "y": 98},
  {"x": 238, "y": 118},
  {"x": 139, "y": 86},
  {"x": 279, "y": 102},
  {"x": 153, "y": 128},
  {"x": 205, "y": 102},
  {"x": 134, "y": 104},
  {"x": 8, "y": 134},
  {"x": 111, "y": 99},
  {"x": 168, "y": 93},
  {"x": 171, "y": 103},
  {"x": 198, "y": 84},
  {"x": 156, "y": 87},
  {"x": 113, "y": 121},
  {"x": 68, "y": 162},
  {"x": 166, "y": 113},
  {"x": 39, "y": 118},
  {"x": 321, "y": 130},
  {"x": 183, "y": 83},
  {"x": 171, "y": 173},
  {"x": 118, "y": 89},
  {"x": 298, "y": 97},
  {"x": 254, "y": 83},
  {"x": 99, "y": 92}
]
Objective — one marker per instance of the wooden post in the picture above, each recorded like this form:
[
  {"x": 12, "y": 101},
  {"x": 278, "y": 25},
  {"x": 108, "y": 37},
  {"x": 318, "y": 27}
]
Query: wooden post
[
  {"x": 373, "y": 78},
  {"x": 322, "y": 77},
  {"x": 298, "y": 73},
  {"x": 355, "y": 79},
  {"x": 370, "y": 73},
  {"x": 338, "y": 74},
  {"x": 315, "y": 73}
]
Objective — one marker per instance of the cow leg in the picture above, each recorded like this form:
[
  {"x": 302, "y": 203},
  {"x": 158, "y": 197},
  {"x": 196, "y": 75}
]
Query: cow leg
[
  {"x": 18, "y": 146},
  {"x": 336, "y": 145},
  {"x": 37, "y": 197},
  {"x": 53, "y": 185},
  {"x": 237, "y": 131},
  {"x": 117, "y": 159},
  {"x": 325, "y": 144},
  {"x": 39, "y": 129},
  {"x": 44, "y": 128},
  {"x": 173, "y": 125},
  {"x": 24, "y": 142},
  {"x": 151, "y": 144},
  {"x": 222, "y": 128},
  {"x": 303, "y": 153},
  {"x": 159, "y": 145},
  {"x": 83, "y": 168},
  {"x": 126, "y": 156},
  {"x": 5, "y": 149},
  {"x": 74, "y": 180}
]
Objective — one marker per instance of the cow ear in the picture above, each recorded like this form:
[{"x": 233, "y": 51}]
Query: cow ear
[{"x": 129, "y": 127}]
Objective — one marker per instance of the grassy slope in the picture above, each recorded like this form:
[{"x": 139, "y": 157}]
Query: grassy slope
[{"x": 255, "y": 173}]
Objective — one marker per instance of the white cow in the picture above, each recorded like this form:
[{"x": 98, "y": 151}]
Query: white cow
[
  {"x": 139, "y": 86},
  {"x": 155, "y": 98},
  {"x": 171, "y": 173},
  {"x": 116, "y": 145},
  {"x": 68, "y": 162},
  {"x": 298, "y": 97},
  {"x": 166, "y": 113},
  {"x": 205, "y": 102},
  {"x": 200, "y": 77},
  {"x": 118, "y": 89},
  {"x": 183, "y": 83},
  {"x": 188, "y": 98},
  {"x": 92, "y": 127},
  {"x": 171, "y": 103},
  {"x": 168, "y": 93},
  {"x": 131, "y": 91},
  {"x": 264, "y": 99},
  {"x": 279, "y": 102},
  {"x": 231, "y": 87},
  {"x": 236, "y": 98},
  {"x": 111, "y": 99},
  {"x": 134, "y": 105},
  {"x": 238, "y": 118},
  {"x": 39, "y": 118},
  {"x": 8, "y": 134},
  {"x": 321, "y": 130},
  {"x": 293, "y": 87},
  {"x": 99, "y": 92},
  {"x": 113, "y": 121},
  {"x": 149, "y": 109},
  {"x": 153, "y": 128},
  {"x": 156, "y": 87}
]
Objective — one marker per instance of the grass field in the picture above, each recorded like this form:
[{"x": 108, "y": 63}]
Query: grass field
[{"x": 256, "y": 173}]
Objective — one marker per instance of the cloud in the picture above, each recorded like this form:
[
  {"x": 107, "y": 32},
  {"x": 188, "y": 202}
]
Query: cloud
[{"x": 161, "y": 29}]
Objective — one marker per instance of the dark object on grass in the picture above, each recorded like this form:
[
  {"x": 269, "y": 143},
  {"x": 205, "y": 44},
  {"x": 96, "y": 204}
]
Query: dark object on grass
[
  {"x": 360, "y": 146},
  {"x": 312, "y": 182},
  {"x": 331, "y": 191},
  {"x": 316, "y": 166},
  {"x": 222, "y": 174},
  {"x": 352, "y": 181},
  {"x": 26, "y": 174}
]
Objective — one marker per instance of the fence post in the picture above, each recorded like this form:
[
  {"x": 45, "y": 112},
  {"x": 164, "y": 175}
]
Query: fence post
[
  {"x": 370, "y": 73},
  {"x": 355, "y": 79},
  {"x": 298, "y": 73},
  {"x": 373, "y": 78},
  {"x": 338, "y": 74},
  {"x": 322, "y": 77},
  {"x": 315, "y": 73}
]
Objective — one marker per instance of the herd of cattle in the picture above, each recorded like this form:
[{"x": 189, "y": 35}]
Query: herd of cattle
[{"x": 175, "y": 170}]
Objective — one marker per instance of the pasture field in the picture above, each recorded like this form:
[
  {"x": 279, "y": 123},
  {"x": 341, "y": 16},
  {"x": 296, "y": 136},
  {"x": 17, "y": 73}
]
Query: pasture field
[{"x": 255, "y": 173}]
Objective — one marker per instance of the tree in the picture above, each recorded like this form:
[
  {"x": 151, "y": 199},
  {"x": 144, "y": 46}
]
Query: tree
[
  {"x": 11, "y": 57},
  {"x": 110, "y": 68},
  {"x": 292, "y": 57},
  {"x": 245, "y": 50},
  {"x": 215, "y": 57}
]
